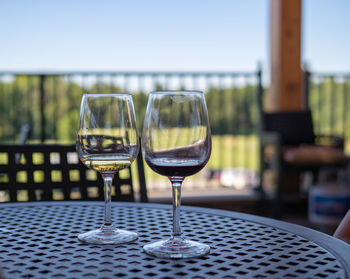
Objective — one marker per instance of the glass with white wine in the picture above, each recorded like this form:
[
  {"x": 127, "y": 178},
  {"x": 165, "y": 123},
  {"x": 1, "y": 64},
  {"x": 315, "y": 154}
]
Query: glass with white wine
[{"x": 107, "y": 142}]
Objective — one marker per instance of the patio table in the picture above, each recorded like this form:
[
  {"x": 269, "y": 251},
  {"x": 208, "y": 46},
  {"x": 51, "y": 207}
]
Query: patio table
[{"x": 39, "y": 240}]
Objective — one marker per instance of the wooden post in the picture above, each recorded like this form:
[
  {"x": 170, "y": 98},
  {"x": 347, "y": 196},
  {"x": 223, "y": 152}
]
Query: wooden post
[{"x": 285, "y": 92}]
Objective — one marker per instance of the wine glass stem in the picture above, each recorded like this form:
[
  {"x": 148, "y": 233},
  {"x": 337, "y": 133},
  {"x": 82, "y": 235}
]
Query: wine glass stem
[
  {"x": 107, "y": 179},
  {"x": 176, "y": 185}
]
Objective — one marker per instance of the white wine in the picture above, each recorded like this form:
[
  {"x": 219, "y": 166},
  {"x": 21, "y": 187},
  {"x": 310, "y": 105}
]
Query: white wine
[{"x": 106, "y": 163}]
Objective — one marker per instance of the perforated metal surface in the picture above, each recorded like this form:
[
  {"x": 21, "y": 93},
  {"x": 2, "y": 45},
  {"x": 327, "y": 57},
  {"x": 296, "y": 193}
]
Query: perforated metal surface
[{"x": 39, "y": 241}]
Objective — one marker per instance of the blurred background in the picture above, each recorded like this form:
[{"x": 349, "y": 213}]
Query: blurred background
[{"x": 240, "y": 53}]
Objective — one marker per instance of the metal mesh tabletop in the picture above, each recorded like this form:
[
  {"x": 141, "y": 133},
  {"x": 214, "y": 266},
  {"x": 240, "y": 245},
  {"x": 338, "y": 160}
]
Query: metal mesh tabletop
[{"x": 39, "y": 240}]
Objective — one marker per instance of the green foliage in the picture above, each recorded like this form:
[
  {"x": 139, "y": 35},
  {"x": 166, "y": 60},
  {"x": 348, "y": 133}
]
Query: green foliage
[
  {"x": 329, "y": 101},
  {"x": 231, "y": 111}
]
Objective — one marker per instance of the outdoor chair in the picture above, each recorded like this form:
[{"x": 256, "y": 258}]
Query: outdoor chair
[
  {"x": 290, "y": 147},
  {"x": 48, "y": 172}
]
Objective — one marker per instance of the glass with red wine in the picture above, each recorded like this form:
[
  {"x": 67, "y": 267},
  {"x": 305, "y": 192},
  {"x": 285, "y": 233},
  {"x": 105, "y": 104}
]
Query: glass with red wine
[{"x": 176, "y": 143}]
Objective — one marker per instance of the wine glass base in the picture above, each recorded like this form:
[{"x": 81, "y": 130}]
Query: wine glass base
[
  {"x": 176, "y": 249},
  {"x": 107, "y": 236}
]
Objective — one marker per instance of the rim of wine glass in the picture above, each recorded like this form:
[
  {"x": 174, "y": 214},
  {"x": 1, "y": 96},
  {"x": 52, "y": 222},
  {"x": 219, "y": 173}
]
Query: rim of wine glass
[
  {"x": 106, "y": 94},
  {"x": 178, "y": 92}
]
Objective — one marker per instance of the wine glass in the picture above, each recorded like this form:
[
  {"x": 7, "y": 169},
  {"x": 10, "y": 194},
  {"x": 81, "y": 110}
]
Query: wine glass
[
  {"x": 176, "y": 143},
  {"x": 107, "y": 142}
]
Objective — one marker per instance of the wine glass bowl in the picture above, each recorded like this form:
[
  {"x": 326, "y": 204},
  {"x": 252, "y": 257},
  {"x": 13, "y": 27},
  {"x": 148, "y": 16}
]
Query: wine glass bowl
[
  {"x": 107, "y": 142},
  {"x": 176, "y": 143}
]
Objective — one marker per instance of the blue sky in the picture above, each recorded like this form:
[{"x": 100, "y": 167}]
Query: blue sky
[{"x": 162, "y": 35}]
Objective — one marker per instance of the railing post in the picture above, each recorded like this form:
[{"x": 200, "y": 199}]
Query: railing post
[
  {"x": 306, "y": 88},
  {"x": 260, "y": 94},
  {"x": 42, "y": 108},
  {"x": 261, "y": 193}
]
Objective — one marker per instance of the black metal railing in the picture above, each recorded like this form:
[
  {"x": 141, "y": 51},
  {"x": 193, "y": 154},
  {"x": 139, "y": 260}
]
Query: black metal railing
[{"x": 50, "y": 103}]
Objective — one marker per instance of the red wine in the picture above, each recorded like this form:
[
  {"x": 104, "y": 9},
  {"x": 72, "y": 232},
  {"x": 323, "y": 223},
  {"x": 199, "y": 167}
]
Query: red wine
[{"x": 173, "y": 167}]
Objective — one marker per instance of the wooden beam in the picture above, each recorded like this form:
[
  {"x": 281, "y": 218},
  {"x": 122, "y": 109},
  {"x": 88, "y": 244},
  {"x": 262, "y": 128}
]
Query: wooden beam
[{"x": 285, "y": 92}]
